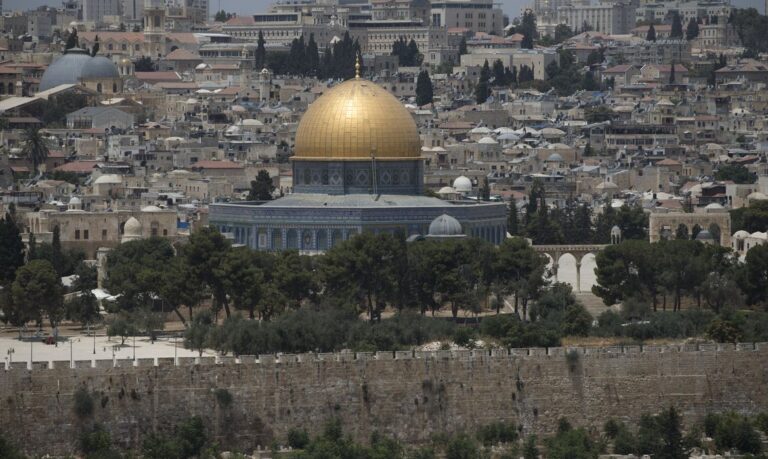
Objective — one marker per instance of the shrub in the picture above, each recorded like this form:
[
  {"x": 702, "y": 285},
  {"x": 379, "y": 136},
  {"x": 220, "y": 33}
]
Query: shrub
[
  {"x": 83, "y": 403},
  {"x": 611, "y": 428},
  {"x": 96, "y": 442},
  {"x": 8, "y": 450},
  {"x": 298, "y": 438},
  {"x": 223, "y": 397},
  {"x": 497, "y": 432},
  {"x": 464, "y": 337},
  {"x": 461, "y": 446},
  {"x": 572, "y": 359}
]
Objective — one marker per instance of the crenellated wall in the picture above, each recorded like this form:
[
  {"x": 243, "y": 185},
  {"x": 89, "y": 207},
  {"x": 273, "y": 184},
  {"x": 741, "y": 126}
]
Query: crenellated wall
[{"x": 410, "y": 395}]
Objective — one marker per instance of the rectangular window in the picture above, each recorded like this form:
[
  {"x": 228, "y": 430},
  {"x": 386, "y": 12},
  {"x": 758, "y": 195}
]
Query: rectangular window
[
  {"x": 85, "y": 234},
  {"x": 77, "y": 234},
  {"x": 103, "y": 235}
]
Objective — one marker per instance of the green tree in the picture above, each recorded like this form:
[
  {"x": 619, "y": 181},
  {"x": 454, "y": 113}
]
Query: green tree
[
  {"x": 528, "y": 29},
  {"x": 260, "y": 55},
  {"x": 670, "y": 429},
  {"x": 462, "y": 446},
  {"x": 178, "y": 287},
  {"x": 499, "y": 76},
  {"x": 463, "y": 46},
  {"x": 197, "y": 335},
  {"x": 35, "y": 147},
  {"x": 243, "y": 280},
  {"x": 562, "y": 33},
  {"x": 312, "y": 64},
  {"x": 513, "y": 222},
  {"x": 677, "y": 26},
  {"x": 735, "y": 172},
  {"x": 530, "y": 451},
  {"x": 424, "y": 91},
  {"x": 205, "y": 254},
  {"x": 136, "y": 271},
  {"x": 651, "y": 35},
  {"x": 11, "y": 249},
  {"x": 483, "y": 90},
  {"x": 519, "y": 271},
  {"x": 222, "y": 16},
  {"x": 38, "y": 292},
  {"x": 755, "y": 274},
  {"x": 570, "y": 443},
  {"x": 261, "y": 188},
  {"x": 692, "y": 30}
]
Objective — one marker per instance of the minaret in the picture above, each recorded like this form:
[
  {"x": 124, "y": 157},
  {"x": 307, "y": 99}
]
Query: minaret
[{"x": 154, "y": 28}]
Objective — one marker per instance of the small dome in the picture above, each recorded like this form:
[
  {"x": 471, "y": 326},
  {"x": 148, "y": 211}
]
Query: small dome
[
  {"x": 151, "y": 209},
  {"x": 704, "y": 235},
  {"x": 487, "y": 141},
  {"x": 131, "y": 230},
  {"x": 615, "y": 231},
  {"x": 108, "y": 179},
  {"x": 757, "y": 196},
  {"x": 99, "y": 67},
  {"x": 446, "y": 190},
  {"x": 555, "y": 157},
  {"x": 75, "y": 201},
  {"x": 741, "y": 234},
  {"x": 714, "y": 208},
  {"x": 607, "y": 186},
  {"x": 480, "y": 130},
  {"x": 462, "y": 185},
  {"x": 251, "y": 122},
  {"x": 445, "y": 226}
]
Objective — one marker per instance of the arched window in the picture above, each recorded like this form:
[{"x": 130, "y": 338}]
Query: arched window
[
  {"x": 98, "y": 87},
  {"x": 114, "y": 87}
]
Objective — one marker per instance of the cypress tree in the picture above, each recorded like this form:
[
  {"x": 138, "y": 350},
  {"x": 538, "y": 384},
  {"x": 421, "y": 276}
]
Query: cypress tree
[
  {"x": 313, "y": 57},
  {"x": 424, "y": 90},
  {"x": 260, "y": 56},
  {"x": 651, "y": 35},
  {"x": 677, "y": 26},
  {"x": 693, "y": 29},
  {"x": 512, "y": 219},
  {"x": 482, "y": 91},
  {"x": 11, "y": 249}
]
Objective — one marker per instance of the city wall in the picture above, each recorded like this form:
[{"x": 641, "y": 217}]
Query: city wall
[{"x": 410, "y": 395}]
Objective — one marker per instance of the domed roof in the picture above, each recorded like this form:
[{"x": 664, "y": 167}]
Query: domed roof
[
  {"x": 131, "y": 230},
  {"x": 714, "y": 206},
  {"x": 99, "y": 67},
  {"x": 757, "y": 196},
  {"x": 445, "y": 225},
  {"x": 108, "y": 179},
  {"x": 556, "y": 157},
  {"x": 607, "y": 186},
  {"x": 355, "y": 120},
  {"x": 704, "y": 235},
  {"x": 75, "y": 201},
  {"x": 741, "y": 234},
  {"x": 65, "y": 70},
  {"x": 462, "y": 184},
  {"x": 446, "y": 190},
  {"x": 487, "y": 140},
  {"x": 151, "y": 209}
]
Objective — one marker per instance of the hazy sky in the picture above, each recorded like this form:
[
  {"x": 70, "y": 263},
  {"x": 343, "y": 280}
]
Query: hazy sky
[{"x": 511, "y": 7}]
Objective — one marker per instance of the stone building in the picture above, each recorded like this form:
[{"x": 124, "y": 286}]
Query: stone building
[
  {"x": 89, "y": 231},
  {"x": 357, "y": 167}
]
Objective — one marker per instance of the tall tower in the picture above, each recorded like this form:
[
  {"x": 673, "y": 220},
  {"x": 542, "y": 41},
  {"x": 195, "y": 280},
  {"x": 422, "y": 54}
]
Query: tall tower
[
  {"x": 154, "y": 28},
  {"x": 264, "y": 85}
]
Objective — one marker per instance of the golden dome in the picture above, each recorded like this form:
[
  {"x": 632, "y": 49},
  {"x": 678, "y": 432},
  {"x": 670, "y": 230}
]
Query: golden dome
[{"x": 355, "y": 120}]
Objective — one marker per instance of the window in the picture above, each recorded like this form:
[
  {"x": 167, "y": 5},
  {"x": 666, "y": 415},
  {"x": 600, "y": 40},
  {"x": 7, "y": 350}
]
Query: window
[
  {"x": 103, "y": 235},
  {"x": 77, "y": 234},
  {"x": 85, "y": 234}
]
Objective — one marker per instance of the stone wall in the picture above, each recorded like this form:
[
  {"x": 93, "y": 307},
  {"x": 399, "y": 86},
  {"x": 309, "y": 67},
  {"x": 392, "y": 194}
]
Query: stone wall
[{"x": 410, "y": 395}]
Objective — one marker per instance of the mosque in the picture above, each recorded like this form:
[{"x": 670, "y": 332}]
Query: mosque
[{"x": 357, "y": 167}]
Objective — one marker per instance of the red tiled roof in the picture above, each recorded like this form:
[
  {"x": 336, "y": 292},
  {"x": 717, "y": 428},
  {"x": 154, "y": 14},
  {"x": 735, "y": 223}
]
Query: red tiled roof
[
  {"x": 668, "y": 162},
  {"x": 104, "y": 36},
  {"x": 81, "y": 167},
  {"x": 181, "y": 54},
  {"x": 241, "y": 21}
]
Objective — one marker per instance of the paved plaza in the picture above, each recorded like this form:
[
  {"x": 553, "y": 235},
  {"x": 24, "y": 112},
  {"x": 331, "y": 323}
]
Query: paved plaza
[{"x": 82, "y": 347}]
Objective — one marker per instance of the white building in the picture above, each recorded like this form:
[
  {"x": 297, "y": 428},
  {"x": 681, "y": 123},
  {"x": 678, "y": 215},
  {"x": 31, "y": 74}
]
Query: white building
[
  {"x": 475, "y": 15},
  {"x": 95, "y": 10},
  {"x": 611, "y": 18}
]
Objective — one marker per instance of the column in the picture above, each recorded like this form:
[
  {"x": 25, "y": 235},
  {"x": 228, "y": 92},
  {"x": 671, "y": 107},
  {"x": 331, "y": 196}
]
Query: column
[{"x": 578, "y": 275}]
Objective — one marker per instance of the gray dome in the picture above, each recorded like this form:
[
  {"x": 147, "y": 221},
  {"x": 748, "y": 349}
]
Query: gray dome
[
  {"x": 704, "y": 235},
  {"x": 99, "y": 67},
  {"x": 445, "y": 225},
  {"x": 65, "y": 70}
]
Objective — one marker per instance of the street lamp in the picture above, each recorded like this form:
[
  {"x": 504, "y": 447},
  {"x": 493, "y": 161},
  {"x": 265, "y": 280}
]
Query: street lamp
[{"x": 10, "y": 353}]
